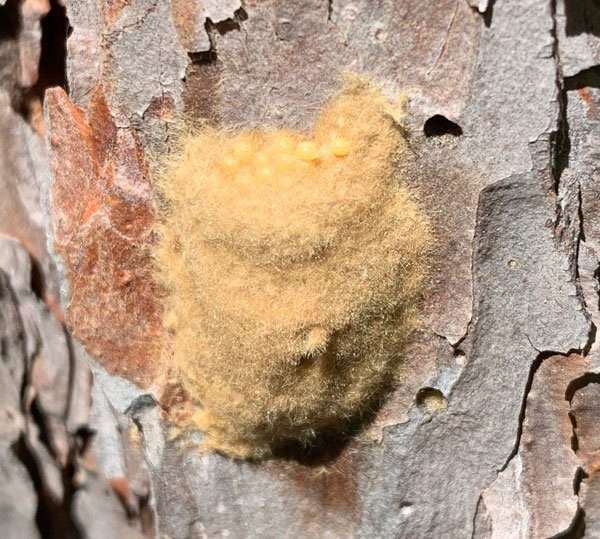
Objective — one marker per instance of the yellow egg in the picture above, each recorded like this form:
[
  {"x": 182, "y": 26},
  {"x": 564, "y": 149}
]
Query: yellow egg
[
  {"x": 171, "y": 320},
  {"x": 285, "y": 143},
  {"x": 243, "y": 177},
  {"x": 243, "y": 150},
  {"x": 265, "y": 172},
  {"x": 307, "y": 151},
  {"x": 340, "y": 147},
  {"x": 229, "y": 163},
  {"x": 261, "y": 158}
]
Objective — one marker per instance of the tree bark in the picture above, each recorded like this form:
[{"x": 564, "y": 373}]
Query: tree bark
[{"x": 492, "y": 432}]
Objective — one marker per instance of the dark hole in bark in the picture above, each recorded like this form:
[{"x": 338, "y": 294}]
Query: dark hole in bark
[
  {"x": 52, "y": 68},
  {"x": 53, "y": 517},
  {"x": 53, "y": 59},
  {"x": 429, "y": 397},
  {"x": 203, "y": 57},
  {"x": 10, "y": 21},
  {"x": 577, "y": 528},
  {"x": 439, "y": 125},
  {"x": 588, "y": 78},
  {"x": 580, "y": 383},
  {"x": 580, "y": 475},
  {"x": 38, "y": 284},
  {"x": 488, "y": 14},
  {"x": 221, "y": 28},
  {"x": 231, "y": 24},
  {"x": 583, "y": 17}
]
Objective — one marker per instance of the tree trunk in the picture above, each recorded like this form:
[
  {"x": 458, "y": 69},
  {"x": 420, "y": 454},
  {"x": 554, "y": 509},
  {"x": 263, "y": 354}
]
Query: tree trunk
[{"x": 493, "y": 430}]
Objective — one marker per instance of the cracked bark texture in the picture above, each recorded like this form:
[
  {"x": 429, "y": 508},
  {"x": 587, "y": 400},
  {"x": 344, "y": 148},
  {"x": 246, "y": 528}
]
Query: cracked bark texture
[
  {"x": 51, "y": 484},
  {"x": 504, "y": 117}
]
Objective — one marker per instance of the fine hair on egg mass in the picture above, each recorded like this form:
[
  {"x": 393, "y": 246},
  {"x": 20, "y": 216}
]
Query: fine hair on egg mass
[{"x": 292, "y": 264}]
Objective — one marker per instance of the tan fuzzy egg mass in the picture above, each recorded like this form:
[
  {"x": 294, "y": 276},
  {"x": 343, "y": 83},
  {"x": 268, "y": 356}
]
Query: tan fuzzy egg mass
[{"x": 293, "y": 263}]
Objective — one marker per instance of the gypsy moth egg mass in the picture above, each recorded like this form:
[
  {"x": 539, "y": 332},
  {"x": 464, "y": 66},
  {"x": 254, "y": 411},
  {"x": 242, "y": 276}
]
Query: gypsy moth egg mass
[{"x": 281, "y": 331}]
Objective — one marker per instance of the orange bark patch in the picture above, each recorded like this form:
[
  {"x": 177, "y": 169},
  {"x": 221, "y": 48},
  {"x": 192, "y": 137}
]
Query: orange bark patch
[
  {"x": 103, "y": 213},
  {"x": 586, "y": 96}
]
